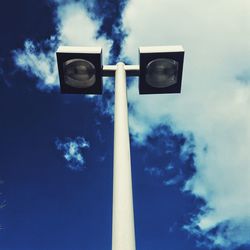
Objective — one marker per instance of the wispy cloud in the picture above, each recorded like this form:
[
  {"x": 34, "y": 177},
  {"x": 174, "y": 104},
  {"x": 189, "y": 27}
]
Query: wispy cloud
[
  {"x": 4, "y": 79},
  {"x": 170, "y": 158},
  {"x": 3, "y": 203},
  {"x": 72, "y": 151},
  {"x": 177, "y": 179},
  {"x": 213, "y": 105},
  {"x": 38, "y": 64},
  {"x": 168, "y": 176},
  {"x": 155, "y": 171},
  {"x": 1, "y": 66},
  {"x": 75, "y": 27}
]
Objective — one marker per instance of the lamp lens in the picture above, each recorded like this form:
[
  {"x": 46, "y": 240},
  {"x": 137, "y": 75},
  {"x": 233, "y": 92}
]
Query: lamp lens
[
  {"x": 162, "y": 72},
  {"x": 79, "y": 73}
]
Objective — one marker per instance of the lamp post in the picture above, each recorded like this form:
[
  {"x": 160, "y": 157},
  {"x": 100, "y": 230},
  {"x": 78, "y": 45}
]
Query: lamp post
[
  {"x": 160, "y": 71},
  {"x": 123, "y": 235}
]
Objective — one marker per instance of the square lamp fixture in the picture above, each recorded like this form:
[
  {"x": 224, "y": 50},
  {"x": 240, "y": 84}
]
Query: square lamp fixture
[
  {"x": 80, "y": 69},
  {"x": 160, "y": 69}
]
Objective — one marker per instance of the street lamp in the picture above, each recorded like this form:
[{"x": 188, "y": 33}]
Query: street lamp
[
  {"x": 160, "y": 71},
  {"x": 80, "y": 69}
]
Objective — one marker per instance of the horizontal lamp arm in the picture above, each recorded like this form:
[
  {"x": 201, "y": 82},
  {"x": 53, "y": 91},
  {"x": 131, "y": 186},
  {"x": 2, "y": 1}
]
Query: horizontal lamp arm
[{"x": 131, "y": 70}]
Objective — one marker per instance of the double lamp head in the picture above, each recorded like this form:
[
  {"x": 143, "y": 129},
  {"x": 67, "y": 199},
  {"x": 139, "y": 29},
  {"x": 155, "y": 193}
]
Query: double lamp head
[{"x": 81, "y": 69}]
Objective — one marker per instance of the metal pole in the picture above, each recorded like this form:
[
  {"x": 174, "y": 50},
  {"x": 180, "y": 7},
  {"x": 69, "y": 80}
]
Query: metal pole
[{"x": 123, "y": 233}]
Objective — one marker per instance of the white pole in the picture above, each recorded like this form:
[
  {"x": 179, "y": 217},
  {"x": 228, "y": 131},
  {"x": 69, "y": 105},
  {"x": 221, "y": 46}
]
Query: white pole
[{"x": 123, "y": 233}]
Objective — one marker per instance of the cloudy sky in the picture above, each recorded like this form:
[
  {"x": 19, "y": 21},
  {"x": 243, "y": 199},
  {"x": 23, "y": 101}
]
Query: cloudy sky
[{"x": 190, "y": 152}]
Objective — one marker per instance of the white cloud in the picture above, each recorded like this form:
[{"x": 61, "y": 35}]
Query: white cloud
[
  {"x": 72, "y": 151},
  {"x": 74, "y": 28},
  {"x": 37, "y": 63},
  {"x": 213, "y": 104}
]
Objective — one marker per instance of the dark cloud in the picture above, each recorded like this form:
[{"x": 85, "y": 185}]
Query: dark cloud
[
  {"x": 109, "y": 14},
  {"x": 174, "y": 162},
  {"x": 244, "y": 77}
]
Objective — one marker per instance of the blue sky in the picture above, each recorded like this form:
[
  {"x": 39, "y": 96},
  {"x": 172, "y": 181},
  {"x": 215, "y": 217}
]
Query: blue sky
[{"x": 189, "y": 152}]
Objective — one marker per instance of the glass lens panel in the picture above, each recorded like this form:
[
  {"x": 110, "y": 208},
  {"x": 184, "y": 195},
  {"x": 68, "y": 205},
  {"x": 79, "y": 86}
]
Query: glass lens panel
[
  {"x": 79, "y": 73},
  {"x": 162, "y": 72}
]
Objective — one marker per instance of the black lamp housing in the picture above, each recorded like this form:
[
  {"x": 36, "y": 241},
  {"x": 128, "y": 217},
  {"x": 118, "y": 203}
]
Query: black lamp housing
[
  {"x": 162, "y": 54},
  {"x": 90, "y": 55}
]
